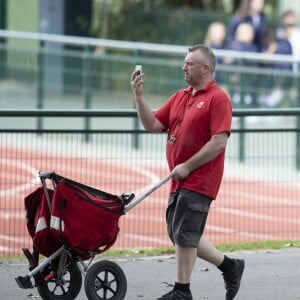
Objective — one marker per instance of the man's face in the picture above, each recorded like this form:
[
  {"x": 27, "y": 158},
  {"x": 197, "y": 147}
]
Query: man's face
[{"x": 193, "y": 67}]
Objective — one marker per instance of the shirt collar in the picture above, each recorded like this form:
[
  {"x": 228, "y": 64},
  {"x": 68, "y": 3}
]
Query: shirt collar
[{"x": 211, "y": 84}]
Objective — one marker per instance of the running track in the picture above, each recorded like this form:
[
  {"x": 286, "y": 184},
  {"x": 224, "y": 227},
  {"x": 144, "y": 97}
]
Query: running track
[{"x": 244, "y": 211}]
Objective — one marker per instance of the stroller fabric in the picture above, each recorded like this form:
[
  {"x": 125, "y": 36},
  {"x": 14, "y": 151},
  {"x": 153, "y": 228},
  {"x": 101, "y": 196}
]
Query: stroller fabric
[
  {"x": 38, "y": 222},
  {"x": 85, "y": 219},
  {"x": 80, "y": 217}
]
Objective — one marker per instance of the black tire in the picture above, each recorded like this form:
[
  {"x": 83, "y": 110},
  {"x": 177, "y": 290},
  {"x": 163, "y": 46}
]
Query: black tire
[
  {"x": 105, "y": 280},
  {"x": 67, "y": 290}
]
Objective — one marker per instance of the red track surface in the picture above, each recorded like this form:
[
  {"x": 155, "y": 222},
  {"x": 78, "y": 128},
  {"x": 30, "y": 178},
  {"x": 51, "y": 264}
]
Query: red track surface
[{"x": 244, "y": 210}]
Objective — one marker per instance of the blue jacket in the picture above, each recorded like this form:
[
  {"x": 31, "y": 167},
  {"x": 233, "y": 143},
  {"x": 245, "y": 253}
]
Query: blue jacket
[
  {"x": 260, "y": 29},
  {"x": 283, "y": 47},
  {"x": 239, "y": 46}
]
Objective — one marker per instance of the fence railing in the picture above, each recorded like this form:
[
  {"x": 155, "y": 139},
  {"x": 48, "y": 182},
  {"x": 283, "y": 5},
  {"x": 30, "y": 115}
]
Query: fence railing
[
  {"x": 261, "y": 180},
  {"x": 75, "y": 116},
  {"x": 260, "y": 186},
  {"x": 50, "y": 68},
  {"x": 134, "y": 127}
]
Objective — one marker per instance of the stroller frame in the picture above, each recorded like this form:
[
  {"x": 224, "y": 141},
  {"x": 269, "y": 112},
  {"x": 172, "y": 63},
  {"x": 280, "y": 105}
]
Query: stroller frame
[{"x": 63, "y": 269}]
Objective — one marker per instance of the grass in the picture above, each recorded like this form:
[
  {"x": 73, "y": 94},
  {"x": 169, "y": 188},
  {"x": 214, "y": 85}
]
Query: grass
[{"x": 251, "y": 246}]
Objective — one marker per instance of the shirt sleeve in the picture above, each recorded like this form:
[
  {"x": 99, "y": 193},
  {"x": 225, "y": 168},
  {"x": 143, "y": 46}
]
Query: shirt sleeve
[
  {"x": 162, "y": 114},
  {"x": 221, "y": 115}
]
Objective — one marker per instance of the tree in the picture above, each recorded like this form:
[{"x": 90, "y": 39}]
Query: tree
[{"x": 162, "y": 21}]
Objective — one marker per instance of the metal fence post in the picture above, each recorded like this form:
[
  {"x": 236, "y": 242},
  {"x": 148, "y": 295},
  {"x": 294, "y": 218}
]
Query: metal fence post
[
  {"x": 3, "y": 52},
  {"x": 88, "y": 86},
  {"x": 40, "y": 83},
  {"x": 298, "y": 122},
  {"x": 298, "y": 144},
  {"x": 242, "y": 120}
]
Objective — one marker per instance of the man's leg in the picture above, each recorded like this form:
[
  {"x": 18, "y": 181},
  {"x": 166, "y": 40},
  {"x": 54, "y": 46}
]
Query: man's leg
[
  {"x": 209, "y": 252},
  {"x": 185, "y": 261},
  {"x": 178, "y": 214},
  {"x": 232, "y": 268}
]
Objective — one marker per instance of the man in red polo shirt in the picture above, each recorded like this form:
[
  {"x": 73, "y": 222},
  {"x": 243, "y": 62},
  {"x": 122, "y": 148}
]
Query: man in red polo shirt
[{"x": 197, "y": 120}]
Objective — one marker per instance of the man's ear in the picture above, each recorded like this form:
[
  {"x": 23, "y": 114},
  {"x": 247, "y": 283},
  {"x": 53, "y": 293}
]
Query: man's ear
[{"x": 205, "y": 68}]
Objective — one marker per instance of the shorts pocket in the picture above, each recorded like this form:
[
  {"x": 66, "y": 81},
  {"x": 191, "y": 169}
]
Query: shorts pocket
[{"x": 195, "y": 217}]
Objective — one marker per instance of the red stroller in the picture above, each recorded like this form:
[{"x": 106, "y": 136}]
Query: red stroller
[{"x": 70, "y": 224}]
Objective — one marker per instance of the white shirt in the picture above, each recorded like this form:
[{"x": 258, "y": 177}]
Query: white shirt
[{"x": 294, "y": 40}]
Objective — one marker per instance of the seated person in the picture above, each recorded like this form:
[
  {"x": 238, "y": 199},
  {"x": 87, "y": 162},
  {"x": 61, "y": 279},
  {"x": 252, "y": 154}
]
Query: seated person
[
  {"x": 274, "y": 81},
  {"x": 215, "y": 39},
  {"x": 243, "y": 41},
  {"x": 215, "y": 35}
]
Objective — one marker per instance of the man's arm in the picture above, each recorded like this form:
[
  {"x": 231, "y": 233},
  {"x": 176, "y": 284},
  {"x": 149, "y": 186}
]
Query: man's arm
[
  {"x": 145, "y": 113},
  {"x": 208, "y": 152}
]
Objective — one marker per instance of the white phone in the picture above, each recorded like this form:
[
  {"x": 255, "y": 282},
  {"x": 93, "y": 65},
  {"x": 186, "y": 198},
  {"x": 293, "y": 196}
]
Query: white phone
[{"x": 138, "y": 68}]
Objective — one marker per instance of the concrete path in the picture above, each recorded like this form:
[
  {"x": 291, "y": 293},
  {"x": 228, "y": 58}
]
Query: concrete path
[{"x": 269, "y": 275}]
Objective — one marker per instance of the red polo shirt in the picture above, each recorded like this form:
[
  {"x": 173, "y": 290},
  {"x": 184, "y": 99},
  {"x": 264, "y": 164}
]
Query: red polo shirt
[{"x": 193, "y": 120}]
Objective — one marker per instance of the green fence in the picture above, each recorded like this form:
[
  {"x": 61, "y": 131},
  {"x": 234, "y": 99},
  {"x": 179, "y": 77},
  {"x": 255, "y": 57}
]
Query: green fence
[
  {"x": 51, "y": 71},
  {"x": 66, "y": 106},
  {"x": 258, "y": 200}
]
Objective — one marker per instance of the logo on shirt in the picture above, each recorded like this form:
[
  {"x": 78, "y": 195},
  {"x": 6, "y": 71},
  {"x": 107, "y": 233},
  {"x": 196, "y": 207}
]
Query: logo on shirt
[{"x": 201, "y": 104}]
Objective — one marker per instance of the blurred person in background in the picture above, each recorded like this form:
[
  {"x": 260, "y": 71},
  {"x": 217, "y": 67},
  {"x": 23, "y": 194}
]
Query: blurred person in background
[
  {"x": 275, "y": 82},
  {"x": 251, "y": 12},
  {"x": 243, "y": 41},
  {"x": 288, "y": 30},
  {"x": 215, "y": 38}
]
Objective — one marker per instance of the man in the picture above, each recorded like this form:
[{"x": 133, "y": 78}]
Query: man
[{"x": 198, "y": 122}]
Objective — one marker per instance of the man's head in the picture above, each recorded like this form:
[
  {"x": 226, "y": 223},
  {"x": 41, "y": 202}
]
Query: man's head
[{"x": 199, "y": 65}]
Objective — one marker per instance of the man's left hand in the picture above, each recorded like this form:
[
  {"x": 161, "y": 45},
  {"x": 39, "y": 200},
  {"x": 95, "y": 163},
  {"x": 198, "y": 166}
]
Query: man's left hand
[{"x": 180, "y": 172}]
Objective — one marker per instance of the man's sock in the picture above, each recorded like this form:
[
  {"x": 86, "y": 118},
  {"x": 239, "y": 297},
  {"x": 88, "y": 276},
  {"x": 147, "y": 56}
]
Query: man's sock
[
  {"x": 182, "y": 286},
  {"x": 226, "y": 265}
]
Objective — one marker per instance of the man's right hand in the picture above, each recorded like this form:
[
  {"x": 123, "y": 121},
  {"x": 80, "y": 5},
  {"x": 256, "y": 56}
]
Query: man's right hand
[{"x": 137, "y": 83}]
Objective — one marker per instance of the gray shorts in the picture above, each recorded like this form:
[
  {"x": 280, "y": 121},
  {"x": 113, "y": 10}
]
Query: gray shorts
[{"x": 186, "y": 217}]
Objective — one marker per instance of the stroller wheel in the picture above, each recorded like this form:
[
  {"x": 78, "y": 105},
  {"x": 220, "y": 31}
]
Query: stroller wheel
[
  {"x": 65, "y": 288},
  {"x": 105, "y": 280}
]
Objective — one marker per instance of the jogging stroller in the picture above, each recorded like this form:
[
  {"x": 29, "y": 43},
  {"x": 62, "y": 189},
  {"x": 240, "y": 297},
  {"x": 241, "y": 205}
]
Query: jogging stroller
[{"x": 70, "y": 223}]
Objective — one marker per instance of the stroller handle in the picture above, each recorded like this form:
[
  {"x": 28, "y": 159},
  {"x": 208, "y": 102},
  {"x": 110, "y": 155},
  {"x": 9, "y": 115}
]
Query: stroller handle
[
  {"x": 148, "y": 192},
  {"x": 47, "y": 175}
]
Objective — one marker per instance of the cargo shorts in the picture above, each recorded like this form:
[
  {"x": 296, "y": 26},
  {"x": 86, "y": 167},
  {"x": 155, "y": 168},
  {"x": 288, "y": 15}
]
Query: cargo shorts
[{"x": 186, "y": 217}]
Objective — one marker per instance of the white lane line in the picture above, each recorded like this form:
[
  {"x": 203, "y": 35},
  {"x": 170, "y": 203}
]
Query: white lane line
[
  {"x": 257, "y": 197},
  {"x": 211, "y": 228},
  {"x": 139, "y": 169},
  {"x": 263, "y": 217},
  {"x": 225, "y": 231},
  {"x": 8, "y": 249},
  {"x": 12, "y": 238},
  {"x": 144, "y": 238},
  {"x": 25, "y": 167},
  {"x": 219, "y": 229},
  {"x": 146, "y": 218},
  {"x": 14, "y": 215}
]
